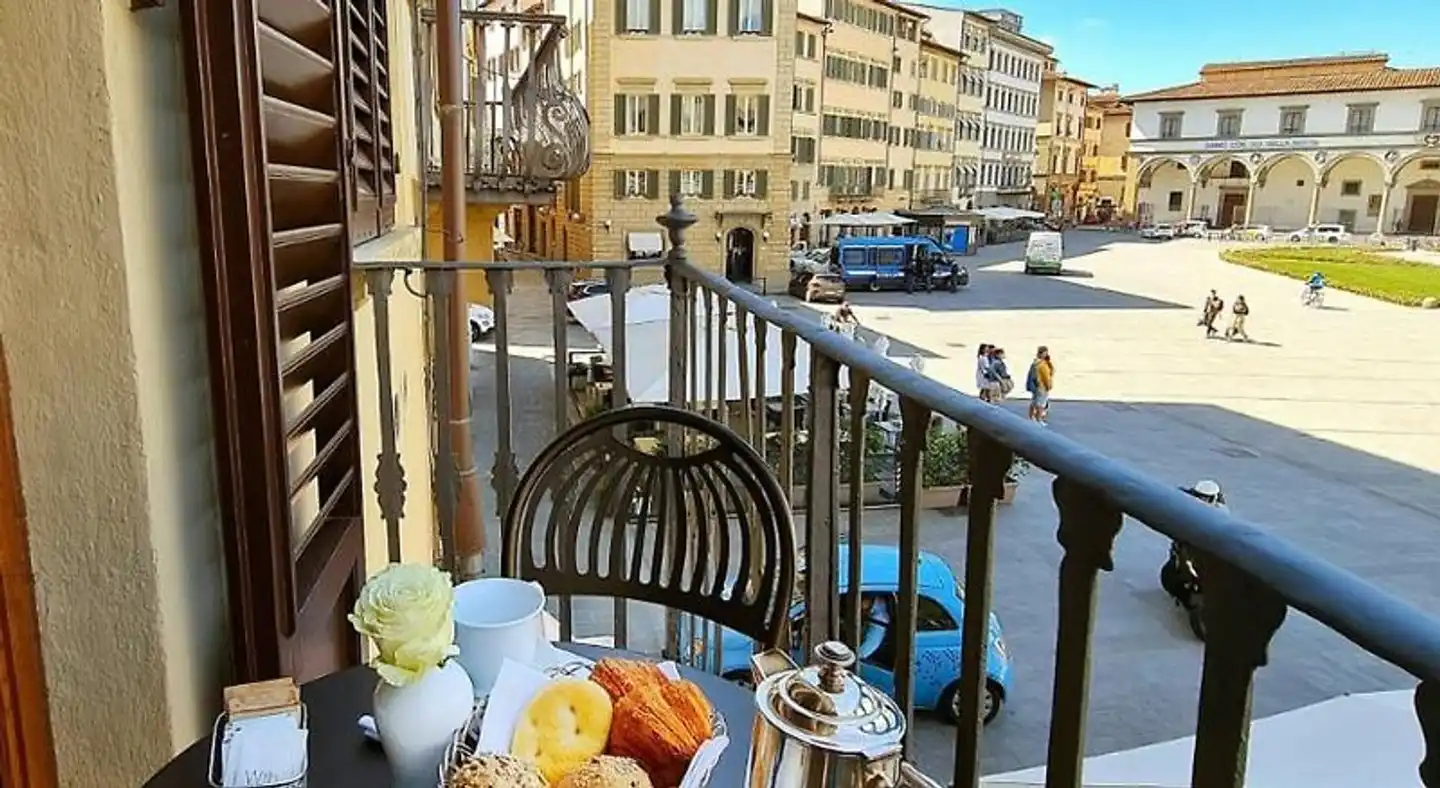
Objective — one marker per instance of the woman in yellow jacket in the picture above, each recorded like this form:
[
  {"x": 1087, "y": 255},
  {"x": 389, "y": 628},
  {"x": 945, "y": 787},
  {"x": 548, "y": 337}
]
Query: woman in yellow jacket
[{"x": 1038, "y": 383}]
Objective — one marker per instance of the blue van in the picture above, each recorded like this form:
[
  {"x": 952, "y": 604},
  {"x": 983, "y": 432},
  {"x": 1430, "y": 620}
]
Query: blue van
[
  {"x": 937, "y": 639},
  {"x": 888, "y": 262}
]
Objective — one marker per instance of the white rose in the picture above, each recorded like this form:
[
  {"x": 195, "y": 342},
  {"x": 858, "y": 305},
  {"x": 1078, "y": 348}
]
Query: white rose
[{"x": 406, "y": 610}]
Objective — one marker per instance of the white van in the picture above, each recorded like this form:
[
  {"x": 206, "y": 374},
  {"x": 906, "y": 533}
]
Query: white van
[{"x": 1043, "y": 252}]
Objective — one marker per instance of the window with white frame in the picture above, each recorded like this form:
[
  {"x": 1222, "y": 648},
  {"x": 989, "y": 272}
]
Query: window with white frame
[
  {"x": 694, "y": 16},
  {"x": 636, "y": 183},
  {"x": 1430, "y": 118},
  {"x": 1227, "y": 123},
  {"x": 637, "y": 15},
  {"x": 637, "y": 114},
  {"x": 1360, "y": 119},
  {"x": 1292, "y": 120},
  {"x": 692, "y": 183},
  {"x": 692, "y": 115},
  {"x": 747, "y": 115},
  {"x": 1170, "y": 125},
  {"x": 750, "y": 16},
  {"x": 745, "y": 183}
]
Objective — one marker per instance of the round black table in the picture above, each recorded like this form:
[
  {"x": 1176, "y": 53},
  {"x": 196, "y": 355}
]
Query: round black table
[{"x": 341, "y": 756}]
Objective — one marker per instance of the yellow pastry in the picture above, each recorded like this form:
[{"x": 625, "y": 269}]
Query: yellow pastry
[
  {"x": 566, "y": 724},
  {"x": 607, "y": 771}
]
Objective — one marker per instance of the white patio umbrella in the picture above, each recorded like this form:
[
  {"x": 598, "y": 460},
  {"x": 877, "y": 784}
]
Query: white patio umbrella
[{"x": 1352, "y": 740}]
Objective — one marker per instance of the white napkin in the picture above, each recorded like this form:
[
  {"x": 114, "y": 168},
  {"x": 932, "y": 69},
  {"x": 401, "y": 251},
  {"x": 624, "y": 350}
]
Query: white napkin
[
  {"x": 514, "y": 687},
  {"x": 261, "y": 751}
]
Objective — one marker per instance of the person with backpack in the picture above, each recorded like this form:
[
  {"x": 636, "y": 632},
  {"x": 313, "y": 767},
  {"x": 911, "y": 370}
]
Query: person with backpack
[
  {"x": 999, "y": 375},
  {"x": 1038, "y": 382}
]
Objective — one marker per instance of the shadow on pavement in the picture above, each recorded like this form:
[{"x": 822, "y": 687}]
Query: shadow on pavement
[{"x": 1013, "y": 290}]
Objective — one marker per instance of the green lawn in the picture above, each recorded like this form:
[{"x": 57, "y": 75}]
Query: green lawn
[{"x": 1358, "y": 271}]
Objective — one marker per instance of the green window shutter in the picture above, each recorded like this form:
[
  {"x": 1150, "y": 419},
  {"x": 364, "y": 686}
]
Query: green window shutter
[
  {"x": 730, "y": 115},
  {"x": 619, "y": 184},
  {"x": 707, "y": 185},
  {"x": 762, "y": 183},
  {"x": 712, "y": 17},
  {"x": 619, "y": 114},
  {"x": 677, "y": 12},
  {"x": 729, "y": 184},
  {"x": 734, "y": 21},
  {"x": 710, "y": 115},
  {"x": 763, "y": 126},
  {"x": 674, "y": 114},
  {"x": 674, "y": 182},
  {"x": 652, "y": 184},
  {"x": 654, "y": 17},
  {"x": 622, "y": 22},
  {"x": 653, "y": 126},
  {"x": 767, "y": 17}
]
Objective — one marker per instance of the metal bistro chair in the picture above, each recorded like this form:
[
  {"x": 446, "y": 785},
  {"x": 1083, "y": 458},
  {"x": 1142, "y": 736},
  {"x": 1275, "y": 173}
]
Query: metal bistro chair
[{"x": 703, "y": 529}]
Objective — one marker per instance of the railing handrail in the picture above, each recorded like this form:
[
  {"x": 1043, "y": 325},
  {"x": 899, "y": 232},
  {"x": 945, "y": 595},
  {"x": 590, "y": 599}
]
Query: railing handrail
[
  {"x": 501, "y": 265},
  {"x": 1372, "y": 618}
]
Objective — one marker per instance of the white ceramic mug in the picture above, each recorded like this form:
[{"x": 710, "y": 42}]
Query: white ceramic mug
[{"x": 497, "y": 618}]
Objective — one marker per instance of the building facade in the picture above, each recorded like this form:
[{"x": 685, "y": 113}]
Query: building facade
[
  {"x": 1060, "y": 149},
  {"x": 1016, "y": 68},
  {"x": 810, "y": 32},
  {"x": 1109, "y": 166},
  {"x": 686, "y": 97},
  {"x": 937, "y": 121},
  {"x": 1344, "y": 139}
]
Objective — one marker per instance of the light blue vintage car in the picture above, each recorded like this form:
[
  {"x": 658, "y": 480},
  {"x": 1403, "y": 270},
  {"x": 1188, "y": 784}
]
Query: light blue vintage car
[{"x": 941, "y": 607}]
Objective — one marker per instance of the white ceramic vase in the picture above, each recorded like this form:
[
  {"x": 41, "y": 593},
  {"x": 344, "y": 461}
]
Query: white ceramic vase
[{"x": 417, "y": 722}]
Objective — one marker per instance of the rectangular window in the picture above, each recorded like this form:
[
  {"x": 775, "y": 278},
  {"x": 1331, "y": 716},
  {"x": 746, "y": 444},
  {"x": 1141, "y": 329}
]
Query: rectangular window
[
  {"x": 1430, "y": 118},
  {"x": 1170, "y": 125},
  {"x": 692, "y": 183},
  {"x": 1350, "y": 189},
  {"x": 751, "y": 16},
  {"x": 1227, "y": 123},
  {"x": 637, "y": 114},
  {"x": 1360, "y": 119},
  {"x": 747, "y": 115},
  {"x": 636, "y": 183},
  {"x": 695, "y": 16},
  {"x": 637, "y": 16},
  {"x": 692, "y": 115},
  {"x": 746, "y": 183},
  {"x": 1176, "y": 199},
  {"x": 1292, "y": 120},
  {"x": 1372, "y": 205}
]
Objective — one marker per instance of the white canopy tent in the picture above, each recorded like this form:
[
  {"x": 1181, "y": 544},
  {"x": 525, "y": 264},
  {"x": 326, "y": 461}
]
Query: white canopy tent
[
  {"x": 872, "y": 219},
  {"x": 647, "y": 357},
  {"x": 1344, "y": 742},
  {"x": 1004, "y": 213}
]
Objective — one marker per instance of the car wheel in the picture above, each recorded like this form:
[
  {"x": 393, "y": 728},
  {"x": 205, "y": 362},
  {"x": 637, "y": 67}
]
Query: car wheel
[
  {"x": 1334, "y": 239},
  {"x": 741, "y": 677},
  {"x": 990, "y": 702},
  {"x": 475, "y": 332}
]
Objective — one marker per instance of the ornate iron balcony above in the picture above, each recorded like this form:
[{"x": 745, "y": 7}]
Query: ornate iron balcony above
[{"x": 526, "y": 130}]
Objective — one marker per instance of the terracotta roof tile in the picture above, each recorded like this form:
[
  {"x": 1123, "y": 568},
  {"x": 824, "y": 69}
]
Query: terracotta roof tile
[{"x": 1236, "y": 87}]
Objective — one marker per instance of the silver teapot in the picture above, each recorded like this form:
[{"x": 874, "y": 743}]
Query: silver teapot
[{"x": 820, "y": 726}]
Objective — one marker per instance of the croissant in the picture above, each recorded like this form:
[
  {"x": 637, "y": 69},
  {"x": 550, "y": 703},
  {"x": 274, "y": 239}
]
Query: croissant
[
  {"x": 620, "y": 677},
  {"x": 647, "y": 729}
]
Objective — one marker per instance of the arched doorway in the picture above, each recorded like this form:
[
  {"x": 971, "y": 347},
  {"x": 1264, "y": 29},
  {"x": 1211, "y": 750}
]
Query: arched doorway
[
  {"x": 1225, "y": 185},
  {"x": 1163, "y": 191},
  {"x": 1417, "y": 195},
  {"x": 740, "y": 255}
]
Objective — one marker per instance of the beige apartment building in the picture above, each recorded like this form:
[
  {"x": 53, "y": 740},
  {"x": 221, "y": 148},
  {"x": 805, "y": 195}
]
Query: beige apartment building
[
  {"x": 690, "y": 97},
  {"x": 1108, "y": 158},
  {"x": 936, "y": 111},
  {"x": 1059, "y": 138},
  {"x": 810, "y": 32}
]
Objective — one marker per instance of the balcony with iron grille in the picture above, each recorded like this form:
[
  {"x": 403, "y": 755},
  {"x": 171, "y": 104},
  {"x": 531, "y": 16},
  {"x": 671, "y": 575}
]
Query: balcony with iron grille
[
  {"x": 794, "y": 391},
  {"x": 526, "y": 129}
]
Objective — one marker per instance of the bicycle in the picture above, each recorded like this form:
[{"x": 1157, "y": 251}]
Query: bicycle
[{"x": 1312, "y": 296}]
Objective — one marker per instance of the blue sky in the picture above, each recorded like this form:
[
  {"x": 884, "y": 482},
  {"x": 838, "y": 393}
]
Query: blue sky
[{"x": 1144, "y": 44}]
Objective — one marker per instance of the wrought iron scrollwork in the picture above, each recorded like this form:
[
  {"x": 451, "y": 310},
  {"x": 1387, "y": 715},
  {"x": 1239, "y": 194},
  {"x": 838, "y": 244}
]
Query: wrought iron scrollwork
[{"x": 547, "y": 135}]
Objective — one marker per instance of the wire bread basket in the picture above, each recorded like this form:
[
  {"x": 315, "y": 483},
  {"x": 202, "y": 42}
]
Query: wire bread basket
[{"x": 462, "y": 746}]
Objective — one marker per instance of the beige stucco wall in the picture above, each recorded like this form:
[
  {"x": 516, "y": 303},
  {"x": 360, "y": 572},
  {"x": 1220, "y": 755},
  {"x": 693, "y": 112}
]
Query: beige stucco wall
[{"x": 100, "y": 305}]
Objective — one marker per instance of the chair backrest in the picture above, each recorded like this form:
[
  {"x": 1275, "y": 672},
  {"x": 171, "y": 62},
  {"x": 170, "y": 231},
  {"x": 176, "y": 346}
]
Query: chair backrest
[{"x": 607, "y": 510}]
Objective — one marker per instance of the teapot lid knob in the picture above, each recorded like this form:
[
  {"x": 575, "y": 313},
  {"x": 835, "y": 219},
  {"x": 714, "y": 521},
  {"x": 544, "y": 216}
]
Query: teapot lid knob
[{"x": 834, "y": 660}]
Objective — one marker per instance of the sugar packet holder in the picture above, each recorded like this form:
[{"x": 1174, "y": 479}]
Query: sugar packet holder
[
  {"x": 518, "y": 683},
  {"x": 216, "y": 771}
]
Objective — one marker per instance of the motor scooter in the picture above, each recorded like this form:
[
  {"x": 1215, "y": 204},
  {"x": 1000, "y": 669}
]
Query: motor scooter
[{"x": 1179, "y": 575}]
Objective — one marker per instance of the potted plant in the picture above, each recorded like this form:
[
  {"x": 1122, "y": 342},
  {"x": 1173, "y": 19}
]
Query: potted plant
[
  {"x": 877, "y": 456},
  {"x": 945, "y": 479}
]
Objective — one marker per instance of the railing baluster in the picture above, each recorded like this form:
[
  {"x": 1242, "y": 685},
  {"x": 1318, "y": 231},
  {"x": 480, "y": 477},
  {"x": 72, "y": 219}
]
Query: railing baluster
[
  {"x": 693, "y": 334},
  {"x": 821, "y": 503},
  {"x": 762, "y": 401},
  {"x": 722, "y": 365},
  {"x": 859, "y": 388},
  {"x": 915, "y": 425},
  {"x": 1241, "y": 616},
  {"x": 710, "y": 396},
  {"x": 742, "y": 344},
  {"x": 389, "y": 471},
  {"x": 989, "y": 461},
  {"x": 1427, "y": 710},
  {"x": 506, "y": 473},
  {"x": 440, "y": 287},
  {"x": 558, "y": 280},
  {"x": 476, "y": 127},
  {"x": 1089, "y": 524},
  {"x": 787, "y": 415},
  {"x": 676, "y": 221},
  {"x": 619, "y": 282}
]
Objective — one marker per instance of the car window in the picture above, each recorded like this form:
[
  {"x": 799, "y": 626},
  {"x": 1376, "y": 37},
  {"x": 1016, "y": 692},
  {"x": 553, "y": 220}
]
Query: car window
[
  {"x": 852, "y": 257},
  {"x": 931, "y": 616},
  {"x": 889, "y": 256}
]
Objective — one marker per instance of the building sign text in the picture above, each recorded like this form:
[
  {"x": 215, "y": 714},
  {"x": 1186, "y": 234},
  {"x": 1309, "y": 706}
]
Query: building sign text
[{"x": 1283, "y": 143}]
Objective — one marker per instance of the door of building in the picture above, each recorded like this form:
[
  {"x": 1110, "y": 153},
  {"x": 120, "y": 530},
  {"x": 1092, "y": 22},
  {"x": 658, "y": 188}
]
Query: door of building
[
  {"x": 1232, "y": 209},
  {"x": 27, "y": 759},
  {"x": 293, "y": 161},
  {"x": 1423, "y": 209}
]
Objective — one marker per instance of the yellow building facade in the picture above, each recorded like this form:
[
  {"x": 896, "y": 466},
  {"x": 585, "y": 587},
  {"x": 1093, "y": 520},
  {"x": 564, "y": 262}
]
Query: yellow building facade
[
  {"x": 810, "y": 33},
  {"x": 1114, "y": 166},
  {"x": 1059, "y": 135},
  {"x": 936, "y": 115}
]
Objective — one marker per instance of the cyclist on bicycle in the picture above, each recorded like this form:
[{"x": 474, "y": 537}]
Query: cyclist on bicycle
[{"x": 1316, "y": 282}]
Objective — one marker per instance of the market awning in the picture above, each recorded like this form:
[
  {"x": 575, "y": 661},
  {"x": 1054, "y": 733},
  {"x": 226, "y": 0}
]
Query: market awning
[
  {"x": 645, "y": 244},
  {"x": 1002, "y": 213},
  {"x": 873, "y": 219}
]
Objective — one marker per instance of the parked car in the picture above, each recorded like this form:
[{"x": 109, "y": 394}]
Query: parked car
[
  {"x": 941, "y": 606},
  {"x": 584, "y": 288},
  {"x": 812, "y": 287},
  {"x": 1158, "y": 232},
  {"x": 1044, "y": 253},
  {"x": 1322, "y": 233},
  {"x": 482, "y": 321},
  {"x": 1194, "y": 228},
  {"x": 1254, "y": 232}
]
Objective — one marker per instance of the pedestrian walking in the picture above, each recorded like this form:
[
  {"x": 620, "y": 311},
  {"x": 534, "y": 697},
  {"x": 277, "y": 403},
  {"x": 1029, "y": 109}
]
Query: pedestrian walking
[
  {"x": 1240, "y": 311},
  {"x": 982, "y": 371},
  {"x": 1210, "y": 312},
  {"x": 1001, "y": 382},
  {"x": 1038, "y": 382}
]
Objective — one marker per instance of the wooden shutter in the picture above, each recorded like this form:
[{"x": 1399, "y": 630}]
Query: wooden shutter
[
  {"x": 734, "y": 21},
  {"x": 622, "y": 20},
  {"x": 677, "y": 20},
  {"x": 674, "y": 114},
  {"x": 712, "y": 17},
  {"x": 762, "y": 121},
  {"x": 654, "y": 28},
  {"x": 268, "y": 97},
  {"x": 767, "y": 17},
  {"x": 369, "y": 132},
  {"x": 729, "y": 184},
  {"x": 619, "y": 184},
  {"x": 652, "y": 184},
  {"x": 710, "y": 115},
  {"x": 620, "y": 101},
  {"x": 674, "y": 182},
  {"x": 762, "y": 183},
  {"x": 730, "y": 115},
  {"x": 707, "y": 185},
  {"x": 652, "y": 121}
]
